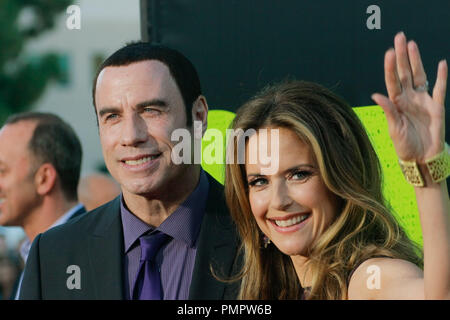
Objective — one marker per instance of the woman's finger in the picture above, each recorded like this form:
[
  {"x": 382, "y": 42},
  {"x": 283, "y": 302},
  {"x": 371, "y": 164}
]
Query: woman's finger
[
  {"x": 419, "y": 75},
  {"x": 390, "y": 75},
  {"x": 389, "y": 109},
  {"x": 441, "y": 83},
  {"x": 403, "y": 67}
]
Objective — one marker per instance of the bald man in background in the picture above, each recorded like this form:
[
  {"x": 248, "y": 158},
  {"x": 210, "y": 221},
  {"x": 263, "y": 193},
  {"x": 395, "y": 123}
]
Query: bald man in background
[
  {"x": 97, "y": 189},
  {"x": 40, "y": 162}
]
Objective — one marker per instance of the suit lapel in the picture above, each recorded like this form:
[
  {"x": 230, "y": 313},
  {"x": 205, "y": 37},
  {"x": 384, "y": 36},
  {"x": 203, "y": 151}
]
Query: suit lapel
[
  {"x": 217, "y": 247},
  {"x": 106, "y": 252}
]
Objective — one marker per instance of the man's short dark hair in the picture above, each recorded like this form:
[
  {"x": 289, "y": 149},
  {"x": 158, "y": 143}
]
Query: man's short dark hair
[
  {"x": 55, "y": 142},
  {"x": 181, "y": 69}
]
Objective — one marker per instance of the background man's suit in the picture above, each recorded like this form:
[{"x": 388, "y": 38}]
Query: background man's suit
[
  {"x": 13, "y": 295},
  {"x": 94, "y": 243}
]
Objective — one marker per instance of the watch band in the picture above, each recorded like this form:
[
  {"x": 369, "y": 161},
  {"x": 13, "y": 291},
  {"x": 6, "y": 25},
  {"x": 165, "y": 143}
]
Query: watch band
[
  {"x": 411, "y": 172},
  {"x": 438, "y": 167}
]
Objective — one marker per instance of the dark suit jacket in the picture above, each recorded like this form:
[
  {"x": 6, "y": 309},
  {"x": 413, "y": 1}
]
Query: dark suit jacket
[
  {"x": 77, "y": 213},
  {"x": 94, "y": 242}
]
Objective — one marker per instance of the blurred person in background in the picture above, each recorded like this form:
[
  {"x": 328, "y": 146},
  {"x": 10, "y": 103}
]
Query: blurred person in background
[
  {"x": 9, "y": 268},
  {"x": 40, "y": 161},
  {"x": 97, "y": 189}
]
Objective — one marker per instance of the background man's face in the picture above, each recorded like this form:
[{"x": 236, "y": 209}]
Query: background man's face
[
  {"x": 138, "y": 107},
  {"x": 18, "y": 196}
]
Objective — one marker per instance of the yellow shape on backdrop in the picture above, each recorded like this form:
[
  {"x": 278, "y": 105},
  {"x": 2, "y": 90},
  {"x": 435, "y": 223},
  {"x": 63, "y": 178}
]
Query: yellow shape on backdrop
[
  {"x": 219, "y": 120},
  {"x": 398, "y": 193}
]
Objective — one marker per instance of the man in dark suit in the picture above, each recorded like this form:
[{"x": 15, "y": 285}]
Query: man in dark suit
[
  {"x": 40, "y": 161},
  {"x": 142, "y": 94}
]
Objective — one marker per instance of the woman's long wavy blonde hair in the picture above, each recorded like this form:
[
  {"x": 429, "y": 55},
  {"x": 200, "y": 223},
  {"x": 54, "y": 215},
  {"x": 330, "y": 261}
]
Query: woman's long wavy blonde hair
[{"x": 350, "y": 169}]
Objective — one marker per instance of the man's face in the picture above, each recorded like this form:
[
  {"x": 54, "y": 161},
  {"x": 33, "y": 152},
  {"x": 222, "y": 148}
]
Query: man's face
[
  {"x": 18, "y": 196},
  {"x": 138, "y": 107}
]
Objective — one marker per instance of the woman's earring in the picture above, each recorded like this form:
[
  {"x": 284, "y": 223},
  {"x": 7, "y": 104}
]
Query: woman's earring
[{"x": 266, "y": 241}]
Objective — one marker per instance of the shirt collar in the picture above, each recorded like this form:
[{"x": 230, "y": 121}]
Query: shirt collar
[
  {"x": 26, "y": 245},
  {"x": 183, "y": 224},
  {"x": 66, "y": 216}
]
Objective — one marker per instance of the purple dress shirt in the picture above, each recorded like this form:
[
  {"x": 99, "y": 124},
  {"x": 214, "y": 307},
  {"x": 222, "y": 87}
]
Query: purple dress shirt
[{"x": 176, "y": 258}]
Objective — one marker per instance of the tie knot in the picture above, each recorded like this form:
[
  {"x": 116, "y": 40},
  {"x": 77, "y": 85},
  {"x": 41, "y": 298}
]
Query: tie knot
[{"x": 150, "y": 245}]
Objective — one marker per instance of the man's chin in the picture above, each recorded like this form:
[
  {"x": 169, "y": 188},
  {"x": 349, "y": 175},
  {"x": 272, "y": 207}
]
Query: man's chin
[
  {"x": 140, "y": 190},
  {"x": 142, "y": 187},
  {"x": 161, "y": 184}
]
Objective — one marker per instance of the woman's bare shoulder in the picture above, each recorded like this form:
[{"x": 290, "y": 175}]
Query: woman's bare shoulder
[{"x": 386, "y": 278}]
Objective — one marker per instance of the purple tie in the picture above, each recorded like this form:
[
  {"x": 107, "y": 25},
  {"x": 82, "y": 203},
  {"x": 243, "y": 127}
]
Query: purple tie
[{"x": 147, "y": 285}]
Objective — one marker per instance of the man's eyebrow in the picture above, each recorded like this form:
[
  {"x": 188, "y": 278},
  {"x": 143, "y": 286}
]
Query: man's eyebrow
[
  {"x": 153, "y": 102},
  {"x": 140, "y": 105},
  {"x": 106, "y": 110}
]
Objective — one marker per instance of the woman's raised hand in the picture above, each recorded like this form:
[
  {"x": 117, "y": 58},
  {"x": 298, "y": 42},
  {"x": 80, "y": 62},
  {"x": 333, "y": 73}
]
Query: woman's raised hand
[{"x": 415, "y": 119}]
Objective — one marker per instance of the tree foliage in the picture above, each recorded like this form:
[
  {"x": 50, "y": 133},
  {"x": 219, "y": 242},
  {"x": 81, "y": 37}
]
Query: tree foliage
[{"x": 23, "y": 79}]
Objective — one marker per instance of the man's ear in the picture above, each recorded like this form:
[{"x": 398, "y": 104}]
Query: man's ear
[
  {"x": 200, "y": 112},
  {"x": 45, "y": 179}
]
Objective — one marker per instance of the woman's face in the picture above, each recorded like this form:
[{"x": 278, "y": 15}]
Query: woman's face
[{"x": 292, "y": 206}]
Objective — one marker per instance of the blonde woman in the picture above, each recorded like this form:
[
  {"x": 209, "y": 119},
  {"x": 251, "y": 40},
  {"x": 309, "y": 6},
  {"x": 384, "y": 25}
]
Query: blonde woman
[{"x": 318, "y": 227}]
